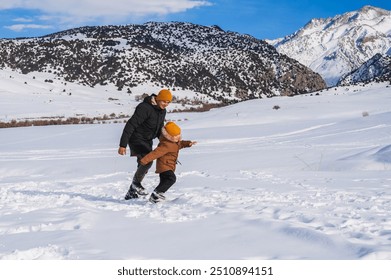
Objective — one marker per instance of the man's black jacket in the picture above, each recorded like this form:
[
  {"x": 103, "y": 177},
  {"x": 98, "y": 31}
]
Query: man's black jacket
[{"x": 145, "y": 125}]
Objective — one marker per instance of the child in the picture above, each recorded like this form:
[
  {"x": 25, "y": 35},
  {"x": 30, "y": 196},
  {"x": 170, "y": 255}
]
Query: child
[{"x": 166, "y": 153}]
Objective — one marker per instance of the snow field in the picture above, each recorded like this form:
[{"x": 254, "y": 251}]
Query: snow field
[{"x": 308, "y": 181}]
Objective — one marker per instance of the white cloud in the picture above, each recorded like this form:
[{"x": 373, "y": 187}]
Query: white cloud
[
  {"x": 86, "y": 10},
  {"x": 21, "y": 19},
  {"x": 63, "y": 14},
  {"x": 22, "y": 27}
]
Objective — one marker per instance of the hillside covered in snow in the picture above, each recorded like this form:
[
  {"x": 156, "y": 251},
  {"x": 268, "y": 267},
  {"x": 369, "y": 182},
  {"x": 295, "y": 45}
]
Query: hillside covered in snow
[
  {"x": 224, "y": 66},
  {"x": 376, "y": 69}
]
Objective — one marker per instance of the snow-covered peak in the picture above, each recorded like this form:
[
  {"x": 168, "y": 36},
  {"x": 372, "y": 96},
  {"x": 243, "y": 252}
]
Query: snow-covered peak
[
  {"x": 371, "y": 13},
  {"x": 338, "y": 45}
]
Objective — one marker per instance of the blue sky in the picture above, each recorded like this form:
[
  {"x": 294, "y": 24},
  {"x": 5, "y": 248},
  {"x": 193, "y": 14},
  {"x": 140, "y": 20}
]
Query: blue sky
[{"x": 263, "y": 19}]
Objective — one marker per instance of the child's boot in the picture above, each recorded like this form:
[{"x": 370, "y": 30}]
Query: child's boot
[{"x": 157, "y": 197}]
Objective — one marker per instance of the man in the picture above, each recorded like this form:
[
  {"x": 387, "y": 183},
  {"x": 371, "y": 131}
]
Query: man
[{"x": 139, "y": 132}]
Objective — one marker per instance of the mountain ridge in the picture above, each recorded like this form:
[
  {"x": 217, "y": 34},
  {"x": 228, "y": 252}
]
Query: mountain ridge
[
  {"x": 376, "y": 69},
  {"x": 225, "y": 66}
]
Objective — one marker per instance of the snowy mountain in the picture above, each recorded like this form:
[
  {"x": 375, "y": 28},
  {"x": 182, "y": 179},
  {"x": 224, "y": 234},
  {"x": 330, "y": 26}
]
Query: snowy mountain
[
  {"x": 376, "y": 69},
  {"x": 224, "y": 66},
  {"x": 336, "y": 46}
]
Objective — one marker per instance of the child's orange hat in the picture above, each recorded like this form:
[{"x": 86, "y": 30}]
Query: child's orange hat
[{"x": 172, "y": 129}]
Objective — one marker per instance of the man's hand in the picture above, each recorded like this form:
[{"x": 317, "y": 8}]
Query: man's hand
[
  {"x": 193, "y": 143},
  {"x": 122, "y": 151}
]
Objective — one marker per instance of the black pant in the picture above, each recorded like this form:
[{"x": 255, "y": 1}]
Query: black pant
[
  {"x": 167, "y": 179},
  {"x": 141, "y": 171}
]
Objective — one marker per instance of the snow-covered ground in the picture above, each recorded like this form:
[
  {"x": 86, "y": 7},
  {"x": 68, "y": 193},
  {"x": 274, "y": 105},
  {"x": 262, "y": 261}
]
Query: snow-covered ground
[
  {"x": 308, "y": 181},
  {"x": 40, "y": 96}
]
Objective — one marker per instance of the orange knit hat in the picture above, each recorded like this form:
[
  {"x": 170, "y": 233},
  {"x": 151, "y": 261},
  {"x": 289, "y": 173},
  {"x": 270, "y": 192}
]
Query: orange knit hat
[
  {"x": 164, "y": 95},
  {"x": 172, "y": 129}
]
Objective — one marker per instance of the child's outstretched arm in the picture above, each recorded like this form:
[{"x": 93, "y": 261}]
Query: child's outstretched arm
[
  {"x": 186, "y": 144},
  {"x": 155, "y": 154}
]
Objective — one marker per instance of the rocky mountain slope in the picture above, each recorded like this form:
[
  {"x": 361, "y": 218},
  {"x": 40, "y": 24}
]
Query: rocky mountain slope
[
  {"x": 377, "y": 69},
  {"x": 333, "y": 47},
  {"x": 223, "y": 66}
]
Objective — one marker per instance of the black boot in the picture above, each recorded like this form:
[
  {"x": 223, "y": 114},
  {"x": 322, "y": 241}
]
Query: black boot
[
  {"x": 131, "y": 194},
  {"x": 156, "y": 197},
  {"x": 138, "y": 188}
]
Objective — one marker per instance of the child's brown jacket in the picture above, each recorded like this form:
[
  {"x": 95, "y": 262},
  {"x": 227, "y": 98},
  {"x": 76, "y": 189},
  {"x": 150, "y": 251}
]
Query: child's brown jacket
[{"x": 166, "y": 152}]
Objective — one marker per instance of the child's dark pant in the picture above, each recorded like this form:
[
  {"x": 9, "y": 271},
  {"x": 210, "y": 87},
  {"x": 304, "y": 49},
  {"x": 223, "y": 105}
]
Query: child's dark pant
[
  {"x": 141, "y": 171},
  {"x": 167, "y": 179}
]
